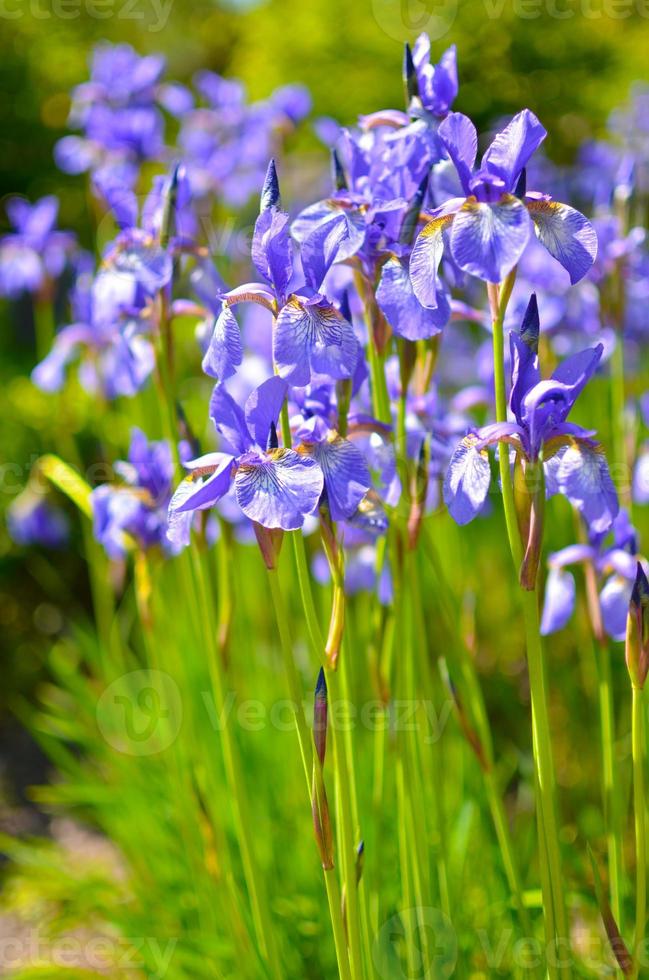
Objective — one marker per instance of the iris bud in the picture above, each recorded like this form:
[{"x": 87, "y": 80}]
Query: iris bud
[{"x": 637, "y": 631}]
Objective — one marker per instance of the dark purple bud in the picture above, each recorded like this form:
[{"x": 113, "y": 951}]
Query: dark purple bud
[
  {"x": 169, "y": 207},
  {"x": 338, "y": 175},
  {"x": 411, "y": 217},
  {"x": 637, "y": 630},
  {"x": 419, "y": 492},
  {"x": 270, "y": 196},
  {"x": 410, "y": 80},
  {"x": 531, "y": 327},
  {"x": 320, "y": 716},
  {"x": 360, "y": 857}
]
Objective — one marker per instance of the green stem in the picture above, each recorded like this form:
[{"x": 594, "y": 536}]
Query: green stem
[
  {"x": 640, "y": 817},
  {"x": 378, "y": 384},
  {"x": 545, "y": 771},
  {"x": 258, "y": 899},
  {"x": 611, "y": 790},
  {"x": 294, "y": 687},
  {"x": 347, "y": 831},
  {"x": 306, "y": 753},
  {"x": 475, "y": 700},
  {"x": 552, "y": 887},
  {"x": 337, "y": 925}
]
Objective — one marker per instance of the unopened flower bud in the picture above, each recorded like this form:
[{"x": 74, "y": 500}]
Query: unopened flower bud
[{"x": 637, "y": 630}]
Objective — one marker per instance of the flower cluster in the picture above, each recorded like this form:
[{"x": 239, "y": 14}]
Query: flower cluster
[{"x": 330, "y": 336}]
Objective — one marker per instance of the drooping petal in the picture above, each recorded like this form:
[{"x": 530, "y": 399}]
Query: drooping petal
[
  {"x": 459, "y": 136},
  {"x": 568, "y": 236},
  {"x": 263, "y": 407},
  {"x": 487, "y": 240},
  {"x": 179, "y": 522},
  {"x": 229, "y": 420},
  {"x": 559, "y": 600},
  {"x": 467, "y": 481},
  {"x": 206, "y": 484},
  {"x": 250, "y": 292},
  {"x": 425, "y": 259},
  {"x": 346, "y": 475},
  {"x": 313, "y": 339},
  {"x": 614, "y": 602},
  {"x": 278, "y": 489},
  {"x": 225, "y": 352},
  {"x": 513, "y": 147},
  {"x": 488, "y": 435},
  {"x": 572, "y": 554},
  {"x": 582, "y": 476},
  {"x": 112, "y": 511},
  {"x": 49, "y": 374},
  {"x": 401, "y": 308}
]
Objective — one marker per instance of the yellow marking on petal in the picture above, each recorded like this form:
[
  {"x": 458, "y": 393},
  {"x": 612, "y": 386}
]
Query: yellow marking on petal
[
  {"x": 547, "y": 207},
  {"x": 435, "y": 226}
]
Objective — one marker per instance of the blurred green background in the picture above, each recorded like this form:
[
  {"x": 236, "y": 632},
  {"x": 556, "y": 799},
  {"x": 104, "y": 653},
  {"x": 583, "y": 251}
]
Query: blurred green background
[{"x": 571, "y": 61}]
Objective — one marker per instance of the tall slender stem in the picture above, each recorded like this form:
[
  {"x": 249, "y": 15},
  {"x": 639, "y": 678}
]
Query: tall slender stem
[
  {"x": 548, "y": 835},
  {"x": 254, "y": 880},
  {"x": 306, "y": 753},
  {"x": 611, "y": 790},
  {"x": 640, "y": 818}
]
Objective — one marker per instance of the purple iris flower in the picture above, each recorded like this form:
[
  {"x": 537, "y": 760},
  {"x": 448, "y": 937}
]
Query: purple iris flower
[
  {"x": 275, "y": 487},
  {"x": 117, "y": 312},
  {"x": 311, "y": 337},
  {"x": 615, "y": 564},
  {"x": 31, "y": 519},
  {"x": 136, "y": 508},
  {"x": 227, "y": 143},
  {"x": 379, "y": 168},
  {"x": 346, "y": 475},
  {"x": 109, "y": 333},
  {"x": 489, "y": 226},
  {"x": 117, "y": 111},
  {"x": 574, "y": 464},
  {"x": 437, "y": 85},
  {"x": 34, "y": 253}
]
